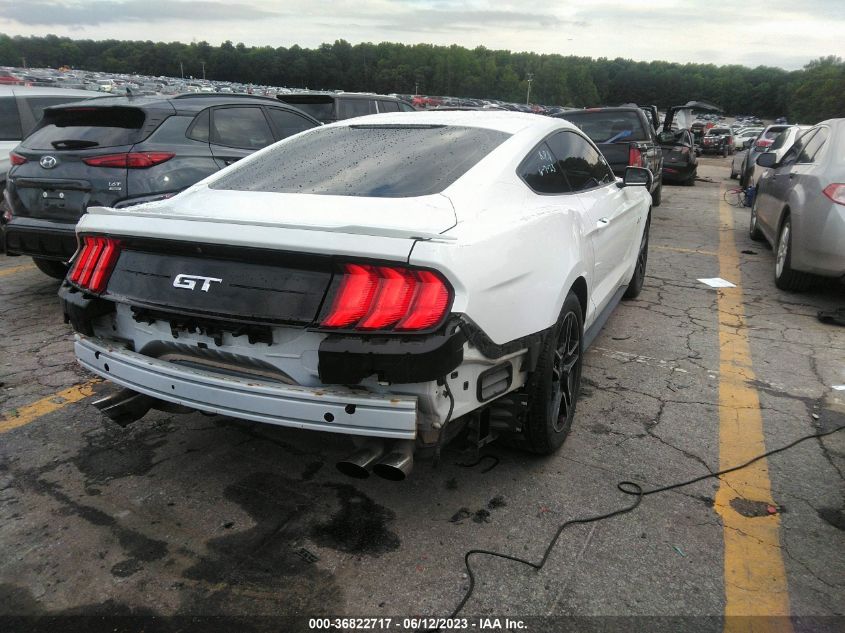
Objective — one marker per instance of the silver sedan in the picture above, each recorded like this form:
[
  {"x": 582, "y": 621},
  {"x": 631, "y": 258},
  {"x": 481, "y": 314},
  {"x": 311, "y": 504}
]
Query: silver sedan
[{"x": 800, "y": 206}]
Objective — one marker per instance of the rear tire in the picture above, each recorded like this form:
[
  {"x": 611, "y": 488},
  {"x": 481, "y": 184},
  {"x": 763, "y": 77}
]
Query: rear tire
[
  {"x": 785, "y": 277},
  {"x": 657, "y": 194},
  {"x": 754, "y": 231},
  {"x": 554, "y": 385},
  {"x": 51, "y": 267},
  {"x": 635, "y": 286}
]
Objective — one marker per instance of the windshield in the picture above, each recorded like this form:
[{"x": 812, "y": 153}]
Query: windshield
[
  {"x": 382, "y": 161},
  {"x": 608, "y": 126}
]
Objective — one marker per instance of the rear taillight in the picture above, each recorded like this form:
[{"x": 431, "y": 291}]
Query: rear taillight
[
  {"x": 635, "y": 157},
  {"x": 94, "y": 264},
  {"x": 764, "y": 143},
  {"x": 836, "y": 192},
  {"x": 379, "y": 298},
  {"x": 131, "y": 160},
  {"x": 16, "y": 159}
]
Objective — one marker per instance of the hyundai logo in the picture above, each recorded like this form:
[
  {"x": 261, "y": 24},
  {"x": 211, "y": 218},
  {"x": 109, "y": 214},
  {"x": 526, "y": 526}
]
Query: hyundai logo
[{"x": 48, "y": 162}]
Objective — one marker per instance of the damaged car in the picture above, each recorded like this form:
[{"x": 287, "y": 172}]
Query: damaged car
[{"x": 395, "y": 278}]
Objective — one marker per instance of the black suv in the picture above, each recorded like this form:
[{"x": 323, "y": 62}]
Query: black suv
[
  {"x": 122, "y": 151},
  {"x": 329, "y": 107}
]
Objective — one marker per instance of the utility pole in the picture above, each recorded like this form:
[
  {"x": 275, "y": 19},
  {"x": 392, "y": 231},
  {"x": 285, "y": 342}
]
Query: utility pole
[
  {"x": 23, "y": 59},
  {"x": 182, "y": 69},
  {"x": 203, "y": 70},
  {"x": 529, "y": 77}
]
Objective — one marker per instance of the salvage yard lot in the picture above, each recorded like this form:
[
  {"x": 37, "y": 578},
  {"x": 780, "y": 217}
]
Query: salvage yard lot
[{"x": 204, "y": 515}]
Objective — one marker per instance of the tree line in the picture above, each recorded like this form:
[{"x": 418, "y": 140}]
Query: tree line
[{"x": 811, "y": 94}]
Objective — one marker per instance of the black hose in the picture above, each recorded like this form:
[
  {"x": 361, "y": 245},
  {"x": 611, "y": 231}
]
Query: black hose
[{"x": 628, "y": 488}]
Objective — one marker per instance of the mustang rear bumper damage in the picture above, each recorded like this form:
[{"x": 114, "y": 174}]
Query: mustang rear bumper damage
[{"x": 334, "y": 409}]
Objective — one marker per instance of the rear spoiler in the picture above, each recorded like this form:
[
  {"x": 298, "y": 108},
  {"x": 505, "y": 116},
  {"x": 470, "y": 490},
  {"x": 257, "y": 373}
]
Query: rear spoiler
[{"x": 350, "y": 229}]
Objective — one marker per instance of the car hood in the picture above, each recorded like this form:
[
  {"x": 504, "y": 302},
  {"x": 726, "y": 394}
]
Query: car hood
[{"x": 424, "y": 217}]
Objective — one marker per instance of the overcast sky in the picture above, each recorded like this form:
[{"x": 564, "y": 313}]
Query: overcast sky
[{"x": 786, "y": 33}]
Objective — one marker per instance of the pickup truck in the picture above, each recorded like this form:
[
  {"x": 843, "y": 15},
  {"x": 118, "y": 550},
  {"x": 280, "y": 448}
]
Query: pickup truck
[
  {"x": 626, "y": 138},
  {"x": 718, "y": 140}
]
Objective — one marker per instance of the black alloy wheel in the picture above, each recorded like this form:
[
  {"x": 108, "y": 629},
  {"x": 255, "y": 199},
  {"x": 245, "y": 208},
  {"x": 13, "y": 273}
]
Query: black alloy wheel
[
  {"x": 555, "y": 383},
  {"x": 635, "y": 286}
]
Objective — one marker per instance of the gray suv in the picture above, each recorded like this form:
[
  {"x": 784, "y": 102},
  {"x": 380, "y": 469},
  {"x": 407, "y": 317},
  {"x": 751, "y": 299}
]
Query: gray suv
[
  {"x": 122, "y": 151},
  {"x": 20, "y": 110}
]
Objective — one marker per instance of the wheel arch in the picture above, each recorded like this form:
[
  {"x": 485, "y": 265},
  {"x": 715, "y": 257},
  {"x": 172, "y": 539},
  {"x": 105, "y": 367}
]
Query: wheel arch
[{"x": 579, "y": 287}]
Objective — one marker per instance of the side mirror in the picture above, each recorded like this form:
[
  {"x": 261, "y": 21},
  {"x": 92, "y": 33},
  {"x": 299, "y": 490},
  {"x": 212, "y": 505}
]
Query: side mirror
[
  {"x": 637, "y": 177},
  {"x": 767, "y": 159}
]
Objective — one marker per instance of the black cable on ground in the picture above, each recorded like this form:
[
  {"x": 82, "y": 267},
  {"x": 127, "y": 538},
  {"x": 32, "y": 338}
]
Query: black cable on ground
[
  {"x": 439, "y": 446},
  {"x": 629, "y": 488}
]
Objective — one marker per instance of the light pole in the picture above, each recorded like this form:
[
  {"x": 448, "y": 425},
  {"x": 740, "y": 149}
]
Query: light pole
[
  {"x": 203, "y": 70},
  {"x": 529, "y": 77}
]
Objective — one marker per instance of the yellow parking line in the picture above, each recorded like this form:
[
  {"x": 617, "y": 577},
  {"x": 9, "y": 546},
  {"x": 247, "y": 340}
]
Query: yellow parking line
[
  {"x": 32, "y": 412},
  {"x": 755, "y": 576},
  {"x": 683, "y": 250},
  {"x": 16, "y": 269}
]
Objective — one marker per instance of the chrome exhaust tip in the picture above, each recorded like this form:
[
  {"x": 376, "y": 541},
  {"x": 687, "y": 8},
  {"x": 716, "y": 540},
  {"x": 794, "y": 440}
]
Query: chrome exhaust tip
[
  {"x": 123, "y": 407},
  {"x": 398, "y": 463},
  {"x": 358, "y": 464}
]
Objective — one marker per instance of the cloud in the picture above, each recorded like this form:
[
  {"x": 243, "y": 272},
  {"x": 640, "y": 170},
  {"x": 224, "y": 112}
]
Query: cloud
[
  {"x": 70, "y": 13},
  {"x": 444, "y": 20}
]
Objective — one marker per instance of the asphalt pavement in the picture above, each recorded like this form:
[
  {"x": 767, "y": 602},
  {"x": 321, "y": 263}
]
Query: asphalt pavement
[{"x": 195, "y": 515}]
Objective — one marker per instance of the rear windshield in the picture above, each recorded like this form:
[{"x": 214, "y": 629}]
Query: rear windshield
[
  {"x": 381, "y": 161},
  {"x": 714, "y": 131},
  {"x": 83, "y": 127},
  {"x": 608, "y": 126},
  {"x": 773, "y": 131}
]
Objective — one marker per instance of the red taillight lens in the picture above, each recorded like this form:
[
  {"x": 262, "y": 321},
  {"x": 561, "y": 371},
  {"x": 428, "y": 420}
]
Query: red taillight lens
[
  {"x": 132, "y": 160},
  {"x": 635, "y": 157},
  {"x": 356, "y": 292},
  {"x": 16, "y": 159},
  {"x": 764, "y": 142},
  {"x": 388, "y": 298},
  {"x": 94, "y": 264},
  {"x": 393, "y": 296},
  {"x": 430, "y": 303},
  {"x": 836, "y": 192}
]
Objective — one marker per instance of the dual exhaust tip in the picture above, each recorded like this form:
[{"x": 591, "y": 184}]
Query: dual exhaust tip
[
  {"x": 125, "y": 406},
  {"x": 393, "y": 465}
]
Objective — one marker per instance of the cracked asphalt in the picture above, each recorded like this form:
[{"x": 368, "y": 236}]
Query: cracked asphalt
[{"x": 198, "y": 515}]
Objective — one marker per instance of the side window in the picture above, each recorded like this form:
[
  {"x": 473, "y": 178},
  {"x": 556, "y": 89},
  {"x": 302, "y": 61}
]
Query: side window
[
  {"x": 199, "y": 129},
  {"x": 406, "y": 107},
  {"x": 287, "y": 123},
  {"x": 388, "y": 106},
  {"x": 797, "y": 147},
  {"x": 10, "y": 123},
  {"x": 541, "y": 172},
  {"x": 242, "y": 127},
  {"x": 811, "y": 147},
  {"x": 351, "y": 108},
  {"x": 583, "y": 166}
]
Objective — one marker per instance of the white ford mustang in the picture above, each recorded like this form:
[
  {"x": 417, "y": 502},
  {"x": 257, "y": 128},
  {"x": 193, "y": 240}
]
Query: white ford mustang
[{"x": 394, "y": 277}]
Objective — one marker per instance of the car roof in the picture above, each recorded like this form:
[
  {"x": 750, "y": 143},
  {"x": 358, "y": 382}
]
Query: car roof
[
  {"x": 5, "y": 91},
  {"x": 185, "y": 103},
  {"x": 500, "y": 120}
]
